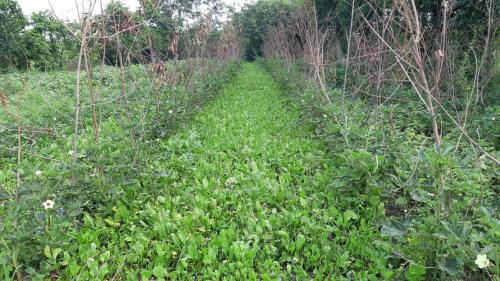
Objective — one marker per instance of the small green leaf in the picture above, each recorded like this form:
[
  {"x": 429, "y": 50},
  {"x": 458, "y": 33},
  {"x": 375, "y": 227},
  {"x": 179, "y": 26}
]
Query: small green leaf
[
  {"x": 401, "y": 201},
  {"x": 74, "y": 269},
  {"x": 301, "y": 239},
  {"x": 56, "y": 252},
  {"x": 112, "y": 223},
  {"x": 457, "y": 230},
  {"x": 387, "y": 274},
  {"x": 105, "y": 256},
  {"x": 303, "y": 202},
  {"x": 46, "y": 251},
  {"x": 88, "y": 220}
]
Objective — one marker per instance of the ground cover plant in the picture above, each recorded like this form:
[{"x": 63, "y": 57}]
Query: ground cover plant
[
  {"x": 240, "y": 196},
  {"x": 405, "y": 118},
  {"x": 360, "y": 141},
  {"x": 402, "y": 171},
  {"x": 47, "y": 169}
]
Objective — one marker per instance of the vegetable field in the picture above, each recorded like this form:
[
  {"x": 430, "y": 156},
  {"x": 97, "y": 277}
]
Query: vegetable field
[{"x": 267, "y": 140}]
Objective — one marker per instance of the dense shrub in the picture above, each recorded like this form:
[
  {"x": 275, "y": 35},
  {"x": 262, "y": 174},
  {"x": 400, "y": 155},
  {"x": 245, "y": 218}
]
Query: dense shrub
[
  {"x": 31, "y": 237},
  {"x": 440, "y": 207}
]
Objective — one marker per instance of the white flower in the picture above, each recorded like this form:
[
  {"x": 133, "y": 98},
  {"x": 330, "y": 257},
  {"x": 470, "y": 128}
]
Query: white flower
[
  {"x": 324, "y": 115},
  {"x": 38, "y": 173},
  {"x": 71, "y": 152},
  {"x": 492, "y": 118},
  {"x": 49, "y": 204},
  {"x": 170, "y": 111},
  {"x": 482, "y": 261},
  {"x": 231, "y": 181}
]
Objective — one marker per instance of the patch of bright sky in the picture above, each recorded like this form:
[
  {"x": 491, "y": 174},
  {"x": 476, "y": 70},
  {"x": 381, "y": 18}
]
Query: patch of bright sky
[{"x": 67, "y": 9}]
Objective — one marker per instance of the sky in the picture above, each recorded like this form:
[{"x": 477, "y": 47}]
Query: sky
[{"x": 66, "y": 9}]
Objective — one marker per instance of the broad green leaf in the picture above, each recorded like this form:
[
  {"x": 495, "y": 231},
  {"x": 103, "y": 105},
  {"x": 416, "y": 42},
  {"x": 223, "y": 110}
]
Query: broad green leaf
[
  {"x": 350, "y": 214},
  {"x": 452, "y": 265},
  {"x": 419, "y": 195},
  {"x": 393, "y": 228},
  {"x": 159, "y": 271},
  {"x": 415, "y": 272}
]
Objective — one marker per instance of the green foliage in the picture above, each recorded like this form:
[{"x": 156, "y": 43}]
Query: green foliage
[
  {"x": 488, "y": 121},
  {"x": 12, "y": 23},
  {"x": 254, "y": 20},
  {"x": 48, "y": 44},
  {"x": 37, "y": 242},
  {"x": 37, "y": 50},
  {"x": 44, "y": 43},
  {"x": 239, "y": 194},
  {"x": 41, "y": 43},
  {"x": 438, "y": 207}
]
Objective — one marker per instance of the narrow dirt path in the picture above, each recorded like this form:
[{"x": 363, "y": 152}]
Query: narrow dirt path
[{"x": 244, "y": 196}]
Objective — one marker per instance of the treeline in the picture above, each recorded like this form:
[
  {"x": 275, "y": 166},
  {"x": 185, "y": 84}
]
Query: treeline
[
  {"x": 157, "y": 31},
  {"x": 443, "y": 51},
  {"x": 467, "y": 19}
]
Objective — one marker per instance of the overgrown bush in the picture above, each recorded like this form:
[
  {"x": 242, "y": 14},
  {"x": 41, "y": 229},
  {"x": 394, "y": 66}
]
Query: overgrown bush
[
  {"x": 436, "y": 208},
  {"x": 31, "y": 236}
]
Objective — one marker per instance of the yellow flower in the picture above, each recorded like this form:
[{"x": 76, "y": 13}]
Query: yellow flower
[
  {"x": 482, "y": 261},
  {"x": 49, "y": 204}
]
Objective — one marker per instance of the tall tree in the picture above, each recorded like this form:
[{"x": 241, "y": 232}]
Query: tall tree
[
  {"x": 254, "y": 21},
  {"x": 12, "y": 23},
  {"x": 47, "y": 43}
]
